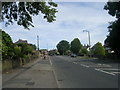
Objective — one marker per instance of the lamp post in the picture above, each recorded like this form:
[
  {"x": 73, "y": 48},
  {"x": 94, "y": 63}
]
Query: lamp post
[
  {"x": 38, "y": 42},
  {"x": 88, "y": 39}
]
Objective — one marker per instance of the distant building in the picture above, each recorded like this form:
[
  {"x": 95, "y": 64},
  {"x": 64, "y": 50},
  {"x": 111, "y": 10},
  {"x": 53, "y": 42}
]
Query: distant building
[
  {"x": 108, "y": 49},
  {"x": 86, "y": 46},
  {"x": 21, "y": 41}
]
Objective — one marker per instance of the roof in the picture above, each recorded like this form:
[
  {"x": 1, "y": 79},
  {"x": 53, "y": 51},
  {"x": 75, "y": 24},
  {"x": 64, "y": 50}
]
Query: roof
[{"x": 21, "y": 41}]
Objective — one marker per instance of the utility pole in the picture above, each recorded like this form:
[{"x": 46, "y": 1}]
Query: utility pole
[
  {"x": 88, "y": 39},
  {"x": 37, "y": 42}
]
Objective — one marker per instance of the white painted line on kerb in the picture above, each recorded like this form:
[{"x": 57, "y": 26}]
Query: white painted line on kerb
[
  {"x": 104, "y": 71},
  {"x": 84, "y": 65},
  {"x": 50, "y": 61}
]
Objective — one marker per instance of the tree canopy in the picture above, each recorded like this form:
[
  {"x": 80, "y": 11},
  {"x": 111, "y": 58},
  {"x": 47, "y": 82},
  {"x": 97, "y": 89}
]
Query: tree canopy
[
  {"x": 84, "y": 51},
  {"x": 98, "y": 49},
  {"x": 76, "y": 46},
  {"x": 113, "y": 8},
  {"x": 63, "y": 46},
  {"x": 22, "y": 12},
  {"x": 7, "y": 45},
  {"x": 113, "y": 38}
]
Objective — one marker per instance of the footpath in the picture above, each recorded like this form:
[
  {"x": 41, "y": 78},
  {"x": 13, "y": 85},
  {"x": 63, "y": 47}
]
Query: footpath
[{"x": 36, "y": 74}]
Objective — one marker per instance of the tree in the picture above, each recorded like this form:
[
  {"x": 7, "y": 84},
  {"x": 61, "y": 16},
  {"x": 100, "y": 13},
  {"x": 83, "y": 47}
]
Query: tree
[
  {"x": 113, "y": 9},
  {"x": 63, "y": 46},
  {"x": 26, "y": 48},
  {"x": 17, "y": 52},
  {"x": 7, "y": 45},
  {"x": 98, "y": 49},
  {"x": 84, "y": 51},
  {"x": 76, "y": 46},
  {"x": 68, "y": 52},
  {"x": 113, "y": 38},
  {"x": 22, "y": 12}
]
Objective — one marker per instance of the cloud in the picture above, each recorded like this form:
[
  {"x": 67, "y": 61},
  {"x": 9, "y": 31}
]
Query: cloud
[{"x": 72, "y": 19}]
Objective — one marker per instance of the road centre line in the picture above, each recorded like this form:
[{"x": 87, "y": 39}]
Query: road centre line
[{"x": 104, "y": 71}]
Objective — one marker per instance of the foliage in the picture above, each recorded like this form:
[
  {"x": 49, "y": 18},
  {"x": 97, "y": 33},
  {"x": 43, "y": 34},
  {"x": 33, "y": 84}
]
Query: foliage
[
  {"x": 25, "y": 48},
  {"x": 33, "y": 46},
  {"x": 113, "y": 38},
  {"x": 68, "y": 52},
  {"x": 7, "y": 46},
  {"x": 0, "y": 44},
  {"x": 63, "y": 46},
  {"x": 98, "y": 49},
  {"x": 76, "y": 46},
  {"x": 113, "y": 8},
  {"x": 17, "y": 52},
  {"x": 14, "y": 51},
  {"x": 22, "y": 12},
  {"x": 84, "y": 51}
]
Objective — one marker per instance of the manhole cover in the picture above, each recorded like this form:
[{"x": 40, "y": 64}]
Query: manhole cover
[
  {"x": 60, "y": 80},
  {"x": 30, "y": 83}
]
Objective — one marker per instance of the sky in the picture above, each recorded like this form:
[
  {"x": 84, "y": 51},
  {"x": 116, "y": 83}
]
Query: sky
[{"x": 71, "y": 19}]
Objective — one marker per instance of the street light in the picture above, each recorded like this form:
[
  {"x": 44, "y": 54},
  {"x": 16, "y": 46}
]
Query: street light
[
  {"x": 38, "y": 42},
  {"x": 88, "y": 39}
]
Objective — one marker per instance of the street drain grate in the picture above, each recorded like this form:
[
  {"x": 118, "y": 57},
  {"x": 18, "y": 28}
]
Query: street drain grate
[{"x": 30, "y": 83}]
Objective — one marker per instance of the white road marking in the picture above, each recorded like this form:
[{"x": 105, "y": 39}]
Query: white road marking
[
  {"x": 110, "y": 73},
  {"x": 84, "y": 65},
  {"x": 116, "y": 72},
  {"x": 99, "y": 65},
  {"x": 74, "y": 62},
  {"x": 110, "y": 69}
]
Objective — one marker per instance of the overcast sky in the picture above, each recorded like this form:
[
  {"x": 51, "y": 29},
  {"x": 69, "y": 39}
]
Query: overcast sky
[{"x": 72, "y": 19}]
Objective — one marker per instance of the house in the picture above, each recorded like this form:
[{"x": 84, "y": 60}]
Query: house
[
  {"x": 21, "y": 41},
  {"x": 86, "y": 46}
]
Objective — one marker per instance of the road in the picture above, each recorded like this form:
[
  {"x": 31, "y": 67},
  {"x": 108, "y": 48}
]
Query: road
[
  {"x": 83, "y": 73},
  {"x": 65, "y": 72}
]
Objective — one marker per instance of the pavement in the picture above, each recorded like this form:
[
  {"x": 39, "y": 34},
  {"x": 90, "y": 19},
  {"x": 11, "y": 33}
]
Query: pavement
[{"x": 36, "y": 74}]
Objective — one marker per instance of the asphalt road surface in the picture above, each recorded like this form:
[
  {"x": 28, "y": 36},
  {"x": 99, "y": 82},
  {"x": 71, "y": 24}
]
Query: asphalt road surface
[
  {"x": 66, "y": 72},
  {"x": 83, "y": 73}
]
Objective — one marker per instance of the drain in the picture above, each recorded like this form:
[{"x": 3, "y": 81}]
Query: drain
[{"x": 60, "y": 80}]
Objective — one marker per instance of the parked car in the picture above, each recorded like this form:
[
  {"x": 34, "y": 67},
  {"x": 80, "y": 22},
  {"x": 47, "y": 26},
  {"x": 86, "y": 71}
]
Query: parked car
[{"x": 73, "y": 55}]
